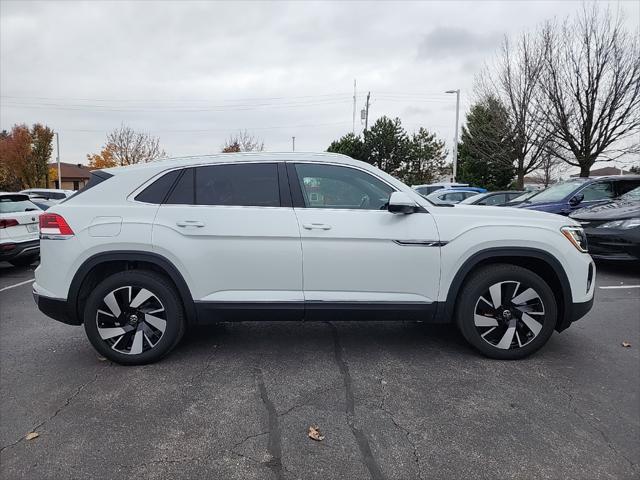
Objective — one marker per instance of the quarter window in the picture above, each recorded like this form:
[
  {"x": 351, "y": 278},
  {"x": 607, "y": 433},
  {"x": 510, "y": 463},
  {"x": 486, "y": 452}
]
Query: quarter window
[
  {"x": 331, "y": 186},
  {"x": 158, "y": 190}
]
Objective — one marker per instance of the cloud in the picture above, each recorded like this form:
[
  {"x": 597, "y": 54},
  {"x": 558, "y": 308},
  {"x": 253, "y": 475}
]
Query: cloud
[{"x": 446, "y": 43}]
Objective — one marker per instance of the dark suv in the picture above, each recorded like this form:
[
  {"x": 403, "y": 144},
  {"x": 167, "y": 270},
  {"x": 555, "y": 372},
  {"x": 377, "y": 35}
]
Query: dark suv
[{"x": 565, "y": 197}]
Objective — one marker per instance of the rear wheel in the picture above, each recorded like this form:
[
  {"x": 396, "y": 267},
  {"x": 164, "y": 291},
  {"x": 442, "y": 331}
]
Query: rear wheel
[
  {"x": 506, "y": 311},
  {"x": 134, "y": 317}
]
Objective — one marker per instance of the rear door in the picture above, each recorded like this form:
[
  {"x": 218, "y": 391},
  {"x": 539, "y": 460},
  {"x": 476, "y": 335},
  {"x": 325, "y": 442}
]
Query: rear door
[
  {"x": 359, "y": 257},
  {"x": 232, "y": 230}
]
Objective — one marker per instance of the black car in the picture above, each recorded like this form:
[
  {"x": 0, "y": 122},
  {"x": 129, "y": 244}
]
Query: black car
[
  {"x": 493, "y": 198},
  {"x": 613, "y": 229}
]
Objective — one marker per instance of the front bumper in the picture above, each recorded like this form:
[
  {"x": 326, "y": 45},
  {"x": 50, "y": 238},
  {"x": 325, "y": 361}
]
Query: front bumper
[
  {"x": 55, "y": 308},
  {"x": 12, "y": 251},
  {"x": 614, "y": 243}
]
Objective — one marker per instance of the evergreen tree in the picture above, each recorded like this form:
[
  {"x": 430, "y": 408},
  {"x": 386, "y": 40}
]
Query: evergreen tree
[
  {"x": 486, "y": 153},
  {"x": 350, "y": 145}
]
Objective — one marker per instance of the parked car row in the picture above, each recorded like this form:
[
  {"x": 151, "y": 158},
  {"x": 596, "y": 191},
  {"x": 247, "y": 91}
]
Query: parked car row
[{"x": 607, "y": 207}]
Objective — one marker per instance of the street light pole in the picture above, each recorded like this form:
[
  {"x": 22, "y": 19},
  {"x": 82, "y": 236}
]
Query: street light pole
[
  {"x": 58, "y": 159},
  {"x": 455, "y": 136}
]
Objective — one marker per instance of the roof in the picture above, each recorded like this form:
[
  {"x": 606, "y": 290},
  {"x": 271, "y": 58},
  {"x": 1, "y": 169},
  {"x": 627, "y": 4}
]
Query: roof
[
  {"x": 604, "y": 171},
  {"x": 72, "y": 170},
  {"x": 244, "y": 156}
]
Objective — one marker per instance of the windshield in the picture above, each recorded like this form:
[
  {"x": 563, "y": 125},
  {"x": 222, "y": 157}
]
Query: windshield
[
  {"x": 557, "y": 192},
  {"x": 631, "y": 196},
  {"x": 14, "y": 204}
]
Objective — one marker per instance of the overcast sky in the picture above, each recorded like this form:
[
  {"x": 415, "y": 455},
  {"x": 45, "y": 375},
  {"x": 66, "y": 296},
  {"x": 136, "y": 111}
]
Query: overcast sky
[{"x": 191, "y": 73}]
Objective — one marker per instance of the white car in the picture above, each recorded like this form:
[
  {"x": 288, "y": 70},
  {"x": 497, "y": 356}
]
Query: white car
[
  {"x": 147, "y": 250},
  {"x": 450, "y": 195},
  {"x": 19, "y": 236},
  {"x": 428, "y": 188},
  {"x": 50, "y": 194}
]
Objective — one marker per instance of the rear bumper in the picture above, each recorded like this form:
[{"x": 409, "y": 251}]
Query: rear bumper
[
  {"x": 55, "y": 308},
  {"x": 11, "y": 251}
]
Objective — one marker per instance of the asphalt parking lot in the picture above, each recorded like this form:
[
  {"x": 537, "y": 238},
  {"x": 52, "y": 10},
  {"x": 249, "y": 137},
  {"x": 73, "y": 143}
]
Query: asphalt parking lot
[{"x": 393, "y": 400}]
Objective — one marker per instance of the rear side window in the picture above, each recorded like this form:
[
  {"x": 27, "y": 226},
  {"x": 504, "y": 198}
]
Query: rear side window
[
  {"x": 245, "y": 184},
  {"x": 625, "y": 186},
  {"x": 158, "y": 190},
  {"x": 183, "y": 192}
]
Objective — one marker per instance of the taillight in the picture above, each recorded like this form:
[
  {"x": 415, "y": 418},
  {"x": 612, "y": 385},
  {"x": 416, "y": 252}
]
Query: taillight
[
  {"x": 53, "y": 225},
  {"x": 8, "y": 222}
]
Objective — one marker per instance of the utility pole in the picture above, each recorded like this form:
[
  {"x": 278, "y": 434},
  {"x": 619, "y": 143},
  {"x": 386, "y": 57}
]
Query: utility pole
[
  {"x": 58, "y": 160},
  {"x": 366, "y": 112},
  {"x": 293, "y": 144},
  {"x": 353, "y": 129},
  {"x": 455, "y": 135}
]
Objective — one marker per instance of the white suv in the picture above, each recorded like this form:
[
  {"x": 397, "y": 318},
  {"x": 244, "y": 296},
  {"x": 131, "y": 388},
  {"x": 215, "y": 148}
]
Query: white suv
[{"x": 147, "y": 250}]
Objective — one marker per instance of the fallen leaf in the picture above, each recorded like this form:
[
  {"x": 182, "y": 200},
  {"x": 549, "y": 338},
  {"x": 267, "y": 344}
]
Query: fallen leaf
[
  {"x": 32, "y": 435},
  {"x": 314, "y": 433},
  {"x": 102, "y": 359},
  {"x": 626, "y": 344}
]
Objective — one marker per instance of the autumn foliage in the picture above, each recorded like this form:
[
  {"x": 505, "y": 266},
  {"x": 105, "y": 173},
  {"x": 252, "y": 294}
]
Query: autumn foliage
[{"x": 24, "y": 157}]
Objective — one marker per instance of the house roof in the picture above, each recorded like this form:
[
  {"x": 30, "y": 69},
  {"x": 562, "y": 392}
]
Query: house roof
[
  {"x": 604, "y": 171},
  {"x": 72, "y": 170}
]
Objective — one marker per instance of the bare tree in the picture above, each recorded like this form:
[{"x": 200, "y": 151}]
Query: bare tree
[
  {"x": 515, "y": 80},
  {"x": 550, "y": 169},
  {"x": 592, "y": 87},
  {"x": 129, "y": 147},
  {"x": 243, "y": 141}
]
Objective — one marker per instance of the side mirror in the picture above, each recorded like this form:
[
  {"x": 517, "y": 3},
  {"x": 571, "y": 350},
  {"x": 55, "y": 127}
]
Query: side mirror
[
  {"x": 400, "y": 202},
  {"x": 576, "y": 199}
]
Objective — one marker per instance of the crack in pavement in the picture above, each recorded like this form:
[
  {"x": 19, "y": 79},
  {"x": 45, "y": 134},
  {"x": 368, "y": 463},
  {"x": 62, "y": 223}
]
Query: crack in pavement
[
  {"x": 573, "y": 407},
  {"x": 361, "y": 439},
  {"x": 274, "y": 444},
  {"x": 205, "y": 368},
  {"x": 406, "y": 431},
  {"x": 55, "y": 414}
]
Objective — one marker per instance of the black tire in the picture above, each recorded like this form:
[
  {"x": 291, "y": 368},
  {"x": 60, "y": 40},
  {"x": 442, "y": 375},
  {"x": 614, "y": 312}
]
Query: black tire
[
  {"x": 163, "y": 294},
  {"x": 487, "y": 326},
  {"x": 23, "y": 261}
]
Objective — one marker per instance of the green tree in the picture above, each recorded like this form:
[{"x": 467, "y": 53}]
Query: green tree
[
  {"x": 387, "y": 145},
  {"x": 41, "y": 148},
  {"x": 425, "y": 160},
  {"x": 350, "y": 145},
  {"x": 486, "y": 153}
]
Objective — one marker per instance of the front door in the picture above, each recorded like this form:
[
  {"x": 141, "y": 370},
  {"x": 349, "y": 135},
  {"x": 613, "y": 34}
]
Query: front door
[
  {"x": 236, "y": 241},
  {"x": 357, "y": 256}
]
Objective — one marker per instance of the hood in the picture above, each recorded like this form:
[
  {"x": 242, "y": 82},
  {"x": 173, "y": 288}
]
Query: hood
[
  {"x": 449, "y": 219},
  {"x": 610, "y": 211},
  {"x": 552, "y": 207}
]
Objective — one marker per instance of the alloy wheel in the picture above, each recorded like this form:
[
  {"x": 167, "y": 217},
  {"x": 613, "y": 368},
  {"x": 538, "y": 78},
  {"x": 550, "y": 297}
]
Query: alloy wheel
[
  {"x": 131, "y": 320},
  {"x": 509, "y": 315}
]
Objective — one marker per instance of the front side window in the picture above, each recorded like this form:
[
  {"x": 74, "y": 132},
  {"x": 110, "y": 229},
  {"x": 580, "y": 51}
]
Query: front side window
[
  {"x": 331, "y": 186},
  {"x": 494, "y": 199},
  {"x": 598, "y": 191}
]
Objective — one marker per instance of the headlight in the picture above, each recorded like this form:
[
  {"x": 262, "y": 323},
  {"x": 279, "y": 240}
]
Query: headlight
[
  {"x": 576, "y": 236},
  {"x": 623, "y": 224}
]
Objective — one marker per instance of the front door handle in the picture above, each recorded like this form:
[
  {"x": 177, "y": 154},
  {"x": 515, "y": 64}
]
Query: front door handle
[
  {"x": 316, "y": 226},
  {"x": 189, "y": 223}
]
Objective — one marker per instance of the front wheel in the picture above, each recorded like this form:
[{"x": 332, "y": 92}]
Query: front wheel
[
  {"x": 506, "y": 311},
  {"x": 134, "y": 317}
]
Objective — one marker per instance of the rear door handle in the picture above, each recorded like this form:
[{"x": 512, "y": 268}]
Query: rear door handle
[
  {"x": 189, "y": 223},
  {"x": 316, "y": 226}
]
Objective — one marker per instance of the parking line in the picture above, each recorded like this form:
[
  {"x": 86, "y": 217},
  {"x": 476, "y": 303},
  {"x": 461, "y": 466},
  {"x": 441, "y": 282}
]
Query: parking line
[
  {"x": 17, "y": 285},
  {"x": 619, "y": 286}
]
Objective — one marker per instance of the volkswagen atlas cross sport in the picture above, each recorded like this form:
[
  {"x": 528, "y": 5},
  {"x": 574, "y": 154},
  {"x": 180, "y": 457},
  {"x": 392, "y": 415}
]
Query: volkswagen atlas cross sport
[{"x": 145, "y": 251}]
